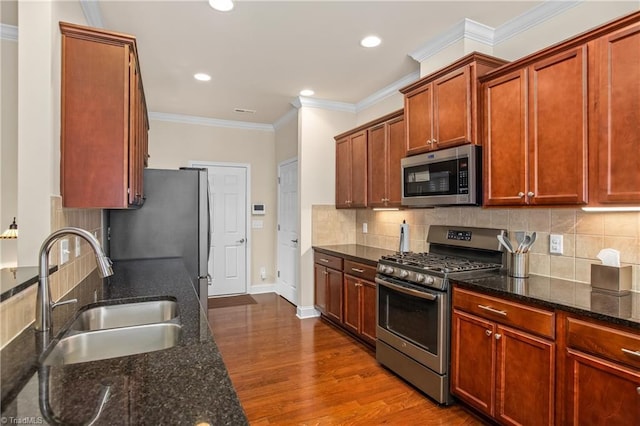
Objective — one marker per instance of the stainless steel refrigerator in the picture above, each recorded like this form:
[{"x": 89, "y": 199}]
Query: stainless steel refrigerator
[{"x": 172, "y": 222}]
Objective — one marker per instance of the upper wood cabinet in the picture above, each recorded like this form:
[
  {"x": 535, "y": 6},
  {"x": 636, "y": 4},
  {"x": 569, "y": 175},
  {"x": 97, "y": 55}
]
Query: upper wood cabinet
[
  {"x": 351, "y": 170},
  {"x": 535, "y": 145},
  {"x": 385, "y": 150},
  {"x": 441, "y": 108},
  {"x": 104, "y": 122},
  {"x": 615, "y": 130}
]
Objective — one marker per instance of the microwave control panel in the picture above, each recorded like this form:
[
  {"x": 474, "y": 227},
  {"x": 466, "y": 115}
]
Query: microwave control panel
[{"x": 463, "y": 176}]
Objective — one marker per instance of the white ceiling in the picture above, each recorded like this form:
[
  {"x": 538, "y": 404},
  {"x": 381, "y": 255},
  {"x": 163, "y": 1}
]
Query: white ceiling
[{"x": 262, "y": 53}]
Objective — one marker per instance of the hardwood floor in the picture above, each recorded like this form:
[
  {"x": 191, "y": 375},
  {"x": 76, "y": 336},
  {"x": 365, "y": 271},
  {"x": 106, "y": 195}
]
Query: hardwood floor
[{"x": 306, "y": 372}]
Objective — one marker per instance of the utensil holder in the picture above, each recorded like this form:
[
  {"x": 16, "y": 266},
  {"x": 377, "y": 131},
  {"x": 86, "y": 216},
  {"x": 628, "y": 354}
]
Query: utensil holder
[{"x": 519, "y": 265}]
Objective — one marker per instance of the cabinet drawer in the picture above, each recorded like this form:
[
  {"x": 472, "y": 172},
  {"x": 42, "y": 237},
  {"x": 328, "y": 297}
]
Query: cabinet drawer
[
  {"x": 359, "y": 270},
  {"x": 607, "y": 342},
  {"x": 527, "y": 318},
  {"x": 333, "y": 262}
]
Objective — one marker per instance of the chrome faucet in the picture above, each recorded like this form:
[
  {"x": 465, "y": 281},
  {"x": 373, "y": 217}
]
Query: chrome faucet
[{"x": 44, "y": 306}]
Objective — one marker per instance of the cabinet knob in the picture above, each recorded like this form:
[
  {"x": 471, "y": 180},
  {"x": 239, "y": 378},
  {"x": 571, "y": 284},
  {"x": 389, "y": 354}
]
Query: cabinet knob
[
  {"x": 488, "y": 332},
  {"x": 498, "y": 336},
  {"x": 531, "y": 193},
  {"x": 520, "y": 194},
  {"x": 428, "y": 141},
  {"x": 638, "y": 390}
]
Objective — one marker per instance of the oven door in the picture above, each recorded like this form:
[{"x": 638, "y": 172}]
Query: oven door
[{"x": 413, "y": 320}]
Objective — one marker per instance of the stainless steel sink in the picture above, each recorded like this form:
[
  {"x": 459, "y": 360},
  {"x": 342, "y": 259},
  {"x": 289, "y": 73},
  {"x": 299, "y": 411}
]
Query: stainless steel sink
[
  {"x": 124, "y": 315},
  {"x": 114, "y": 342}
]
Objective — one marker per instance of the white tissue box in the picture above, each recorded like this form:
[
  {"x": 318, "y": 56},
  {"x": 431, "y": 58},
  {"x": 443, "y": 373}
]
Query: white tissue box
[{"x": 611, "y": 278}]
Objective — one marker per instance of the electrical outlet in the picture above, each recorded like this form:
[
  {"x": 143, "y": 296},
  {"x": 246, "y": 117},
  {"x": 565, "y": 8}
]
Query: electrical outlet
[
  {"x": 64, "y": 251},
  {"x": 77, "y": 246},
  {"x": 555, "y": 244},
  {"x": 365, "y": 228},
  {"x": 263, "y": 273}
]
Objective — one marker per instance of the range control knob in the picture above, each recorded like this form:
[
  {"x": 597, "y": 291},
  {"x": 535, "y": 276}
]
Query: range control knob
[
  {"x": 428, "y": 280},
  {"x": 419, "y": 278},
  {"x": 404, "y": 274},
  {"x": 387, "y": 270}
]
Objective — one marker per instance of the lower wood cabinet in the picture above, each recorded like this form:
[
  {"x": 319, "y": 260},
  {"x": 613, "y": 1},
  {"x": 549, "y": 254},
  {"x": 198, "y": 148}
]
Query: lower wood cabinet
[
  {"x": 360, "y": 301},
  {"x": 602, "y": 374},
  {"x": 345, "y": 294},
  {"x": 506, "y": 373}
]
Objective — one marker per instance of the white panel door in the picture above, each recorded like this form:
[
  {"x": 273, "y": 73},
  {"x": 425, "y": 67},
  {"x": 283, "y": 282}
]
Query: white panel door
[
  {"x": 228, "y": 214},
  {"x": 288, "y": 231}
]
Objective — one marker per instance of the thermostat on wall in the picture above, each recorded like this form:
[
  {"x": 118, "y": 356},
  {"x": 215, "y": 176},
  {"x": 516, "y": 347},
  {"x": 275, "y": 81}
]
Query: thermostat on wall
[{"x": 257, "y": 209}]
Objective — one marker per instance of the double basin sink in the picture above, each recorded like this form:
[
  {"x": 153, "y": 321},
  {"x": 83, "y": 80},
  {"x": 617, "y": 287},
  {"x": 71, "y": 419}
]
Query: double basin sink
[{"x": 103, "y": 331}]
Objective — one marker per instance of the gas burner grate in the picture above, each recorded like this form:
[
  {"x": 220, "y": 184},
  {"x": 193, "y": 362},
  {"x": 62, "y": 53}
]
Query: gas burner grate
[{"x": 438, "y": 263}]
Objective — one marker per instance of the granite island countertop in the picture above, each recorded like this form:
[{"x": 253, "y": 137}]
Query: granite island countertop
[{"x": 186, "y": 384}]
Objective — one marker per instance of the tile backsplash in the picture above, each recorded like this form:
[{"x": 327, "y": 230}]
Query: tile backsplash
[
  {"x": 584, "y": 234},
  {"x": 18, "y": 312}
]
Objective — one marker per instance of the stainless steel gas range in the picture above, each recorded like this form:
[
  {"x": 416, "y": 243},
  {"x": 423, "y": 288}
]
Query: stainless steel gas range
[{"x": 414, "y": 302}]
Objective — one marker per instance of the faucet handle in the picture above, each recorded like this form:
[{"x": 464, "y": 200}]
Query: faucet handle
[{"x": 65, "y": 302}]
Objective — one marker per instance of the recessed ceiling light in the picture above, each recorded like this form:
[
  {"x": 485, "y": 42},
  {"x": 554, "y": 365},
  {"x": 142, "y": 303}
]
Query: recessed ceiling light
[
  {"x": 221, "y": 5},
  {"x": 370, "y": 41},
  {"x": 202, "y": 76},
  {"x": 307, "y": 92}
]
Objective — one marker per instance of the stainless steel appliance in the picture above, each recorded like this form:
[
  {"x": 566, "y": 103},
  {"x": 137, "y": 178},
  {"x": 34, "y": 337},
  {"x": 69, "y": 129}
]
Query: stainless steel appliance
[
  {"x": 414, "y": 295},
  {"x": 173, "y": 222},
  {"x": 450, "y": 176}
]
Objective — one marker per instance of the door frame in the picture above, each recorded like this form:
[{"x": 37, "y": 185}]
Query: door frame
[
  {"x": 278, "y": 254},
  {"x": 249, "y": 244}
]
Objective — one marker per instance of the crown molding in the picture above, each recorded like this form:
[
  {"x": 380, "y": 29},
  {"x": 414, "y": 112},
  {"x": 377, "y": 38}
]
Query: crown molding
[
  {"x": 466, "y": 28},
  {"x": 289, "y": 116},
  {"x": 213, "y": 122},
  {"x": 534, "y": 16},
  {"x": 91, "y": 11},
  {"x": 8, "y": 32},
  {"x": 303, "y": 101},
  {"x": 387, "y": 91}
]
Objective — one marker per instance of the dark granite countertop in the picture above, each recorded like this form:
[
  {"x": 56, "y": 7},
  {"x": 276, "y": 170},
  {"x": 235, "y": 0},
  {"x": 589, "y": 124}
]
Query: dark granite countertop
[
  {"x": 187, "y": 384},
  {"x": 570, "y": 296},
  {"x": 355, "y": 252}
]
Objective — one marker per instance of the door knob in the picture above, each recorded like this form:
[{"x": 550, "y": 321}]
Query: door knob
[
  {"x": 295, "y": 241},
  {"x": 240, "y": 241}
]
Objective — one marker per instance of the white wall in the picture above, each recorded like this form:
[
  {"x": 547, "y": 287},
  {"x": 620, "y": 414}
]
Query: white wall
[
  {"x": 316, "y": 179},
  {"x": 384, "y": 107},
  {"x": 173, "y": 145},
  {"x": 286, "y": 138}
]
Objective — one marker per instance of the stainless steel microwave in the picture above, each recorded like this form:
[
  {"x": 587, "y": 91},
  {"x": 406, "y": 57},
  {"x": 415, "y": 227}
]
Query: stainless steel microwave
[{"x": 446, "y": 177}]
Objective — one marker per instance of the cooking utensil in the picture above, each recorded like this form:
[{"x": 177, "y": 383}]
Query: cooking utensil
[
  {"x": 533, "y": 240},
  {"x": 519, "y": 237},
  {"x": 505, "y": 243},
  {"x": 524, "y": 243}
]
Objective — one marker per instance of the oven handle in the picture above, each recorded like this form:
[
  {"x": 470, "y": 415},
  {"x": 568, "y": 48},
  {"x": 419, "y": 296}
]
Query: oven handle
[{"x": 416, "y": 293}]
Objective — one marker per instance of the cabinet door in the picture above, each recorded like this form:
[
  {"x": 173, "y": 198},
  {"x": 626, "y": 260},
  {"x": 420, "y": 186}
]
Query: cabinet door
[
  {"x": 525, "y": 382},
  {"x": 452, "y": 109},
  {"x": 473, "y": 361},
  {"x": 377, "y": 153},
  {"x": 617, "y": 134},
  {"x": 351, "y": 317},
  {"x": 320, "y": 283},
  {"x": 343, "y": 173},
  {"x": 601, "y": 392},
  {"x": 359, "y": 169},
  {"x": 418, "y": 109},
  {"x": 558, "y": 129},
  {"x": 505, "y": 153},
  {"x": 369, "y": 308},
  {"x": 395, "y": 153},
  {"x": 334, "y": 294}
]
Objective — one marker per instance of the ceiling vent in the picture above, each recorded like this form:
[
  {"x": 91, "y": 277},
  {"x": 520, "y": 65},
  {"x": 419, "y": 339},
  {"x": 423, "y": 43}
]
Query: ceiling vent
[{"x": 245, "y": 111}]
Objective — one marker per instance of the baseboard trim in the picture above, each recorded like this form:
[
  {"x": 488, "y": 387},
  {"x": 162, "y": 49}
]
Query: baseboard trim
[
  {"x": 304, "y": 312},
  {"x": 263, "y": 288}
]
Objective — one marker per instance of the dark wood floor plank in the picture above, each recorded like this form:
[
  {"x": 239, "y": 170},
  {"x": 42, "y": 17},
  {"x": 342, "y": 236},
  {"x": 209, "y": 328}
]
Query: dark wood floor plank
[{"x": 288, "y": 371}]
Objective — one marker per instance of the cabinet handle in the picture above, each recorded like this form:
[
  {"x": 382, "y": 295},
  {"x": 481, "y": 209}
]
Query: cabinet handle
[
  {"x": 630, "y": 352},
  {"x": 531, "y": 193},
  {"x": 357, "y": 270},
  {"x": 498, "y": 336},
  {"x": 488, "y": 332},
  {"x": 492, "y": 310},
  {"x": 325, "y": 272},
  {"x": 324, "y": 260},
  {"x": 520, "y": 194}
]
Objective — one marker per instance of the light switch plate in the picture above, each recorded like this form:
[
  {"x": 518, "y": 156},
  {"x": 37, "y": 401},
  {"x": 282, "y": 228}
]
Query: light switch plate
[
  {"x": 555, "y": 244},
  {"x": 64, "y": 251},
  {"x": 77, "y": 246},
  {"x": 365, "y": 228}
]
